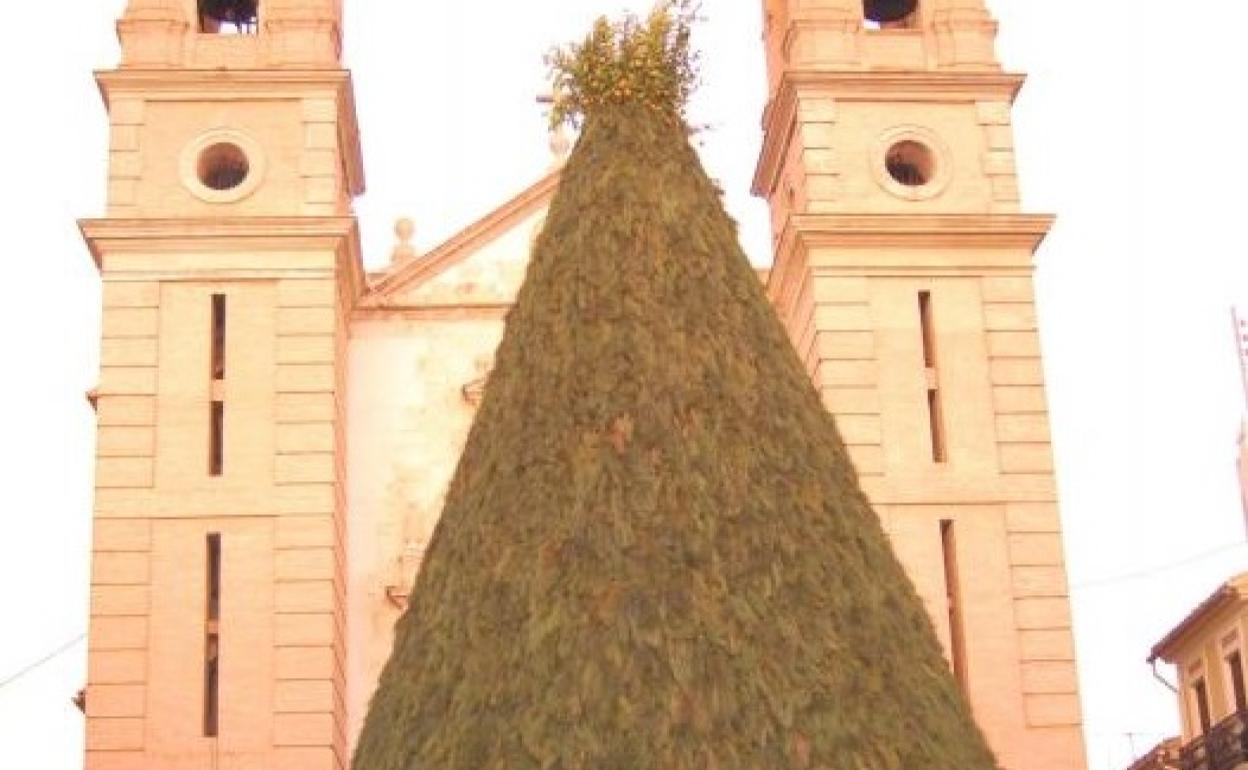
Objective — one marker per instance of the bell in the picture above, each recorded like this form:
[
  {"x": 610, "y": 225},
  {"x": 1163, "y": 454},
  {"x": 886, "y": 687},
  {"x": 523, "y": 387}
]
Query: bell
[
  {"x": 236, "y": 12},
  {"x": 884, "y": 11}
]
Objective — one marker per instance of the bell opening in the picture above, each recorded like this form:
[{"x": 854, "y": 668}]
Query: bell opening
[
  {"x": 890, "y": 14},
  {"x": 229, "y": 17}
]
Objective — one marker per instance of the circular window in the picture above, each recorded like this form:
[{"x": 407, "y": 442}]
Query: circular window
[
  {"x": 911, "y": 163},
  {"x": 223, "y": 166}
]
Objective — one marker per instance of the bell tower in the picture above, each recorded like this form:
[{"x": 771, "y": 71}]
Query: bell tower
[
  {"x": 229, "y": 260},
  {"x": 903, "y": 272}
]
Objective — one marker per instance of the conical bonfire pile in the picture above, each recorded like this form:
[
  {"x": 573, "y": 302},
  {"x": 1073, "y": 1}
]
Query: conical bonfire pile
[{"x": 655, "y": 554}]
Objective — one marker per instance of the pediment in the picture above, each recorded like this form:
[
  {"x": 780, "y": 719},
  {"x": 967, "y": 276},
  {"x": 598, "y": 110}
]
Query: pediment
[{"x": 483, "y": 264}]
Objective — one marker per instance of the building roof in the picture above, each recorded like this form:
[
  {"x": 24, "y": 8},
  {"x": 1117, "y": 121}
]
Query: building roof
[
  {"x": 1163, "y": 756},
  {"x": 1227, "y": 594},
  {"x": 408, "y": 273},
  {"x": 418, "y": 269}
]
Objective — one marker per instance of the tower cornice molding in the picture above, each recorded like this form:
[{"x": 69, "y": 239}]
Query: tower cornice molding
[
  {"x": 245, "y": 85},
  {"x": 897, "y": 245},
  {"x": 781, "y": 114},
  {"x": 208, "y": 237},
  {"x": 927, "y": 86},
  {"x": 913, "y": 245},
  {"x": 908, "y": 244},
  {"x": 1011, "y": 231}
]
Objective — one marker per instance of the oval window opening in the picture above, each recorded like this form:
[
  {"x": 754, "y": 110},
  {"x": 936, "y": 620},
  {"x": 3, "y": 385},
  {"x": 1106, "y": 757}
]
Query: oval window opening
[
  {"x": 910, "y": 163},
  {"x": 223, "y": 166}
]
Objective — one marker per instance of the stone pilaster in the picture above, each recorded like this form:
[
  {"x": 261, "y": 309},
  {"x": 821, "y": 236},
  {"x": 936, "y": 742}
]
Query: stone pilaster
[
  {"x": 303, "y": 33},
  {"x": 966, "y": 35},
  {"x": 153, "y": 33}
]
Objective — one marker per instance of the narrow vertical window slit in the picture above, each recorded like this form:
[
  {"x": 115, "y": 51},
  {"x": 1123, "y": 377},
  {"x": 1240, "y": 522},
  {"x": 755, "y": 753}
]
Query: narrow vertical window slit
[
  {"x": 935, "y": 410},
  {"x": 212, "y": 637},
  {"x": 925, "y": 324},
  {"x": 936, "y": 418},
  {"x": 953, "y": 594},
  {"x": 218, "y": 336},
  {"x": 216, "y": 439}
]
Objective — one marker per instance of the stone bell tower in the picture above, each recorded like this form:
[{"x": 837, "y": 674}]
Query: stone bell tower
[
  {"x": 229, "y": 259},
  {"x": 903, "y": 272}
]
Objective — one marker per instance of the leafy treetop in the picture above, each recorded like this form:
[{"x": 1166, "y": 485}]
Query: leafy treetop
[{"x": 647, "y": 62}]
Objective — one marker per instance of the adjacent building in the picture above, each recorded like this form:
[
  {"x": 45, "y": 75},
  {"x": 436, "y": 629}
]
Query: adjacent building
[
  {"x": 1207, "y": 650},
  {"x": 277, "y": 427}
]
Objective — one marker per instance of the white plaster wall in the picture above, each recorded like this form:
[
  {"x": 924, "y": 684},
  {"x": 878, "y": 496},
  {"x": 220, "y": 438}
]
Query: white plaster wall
[{"x": 407, "y": 421}]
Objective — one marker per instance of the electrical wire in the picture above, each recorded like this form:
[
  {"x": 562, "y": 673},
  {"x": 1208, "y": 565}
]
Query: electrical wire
[
  {"x": 1158, "y": 569},
  {"x": 64, "y": 648}
]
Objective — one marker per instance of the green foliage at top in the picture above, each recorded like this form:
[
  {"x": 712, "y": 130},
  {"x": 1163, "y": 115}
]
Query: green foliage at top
[
  {"x": 646, "y": 62},
  {"x": 655, "y": 553}
]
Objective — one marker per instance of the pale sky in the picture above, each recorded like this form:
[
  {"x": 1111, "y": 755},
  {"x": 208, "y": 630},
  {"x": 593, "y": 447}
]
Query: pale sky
[{"x": 1132, "y": 130}]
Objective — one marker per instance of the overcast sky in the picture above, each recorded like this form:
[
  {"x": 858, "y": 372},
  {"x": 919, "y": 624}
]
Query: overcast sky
[{"x": 1132, "y": 129}]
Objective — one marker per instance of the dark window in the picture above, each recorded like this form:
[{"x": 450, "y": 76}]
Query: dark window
[
  {"x": 212, "y": 690},
  {"x": 890, "y": 14},
  {"x": 229, "y": 17},
  {"x": 953, "y": 594},
  {"x": 216, "y": 438},
  {"x": 218, "y": 336},
  {"x": 1235, "y": 663},
  {"x": 212, "y": 637},
  {"x": 911, "y": 163},
  {"x": 1202, "y": 704},
  {"x": 936, "y": 419},
  {"x": 223, "y": 166},
  {"x": 214, "y": 578},
  {"x": 935, "y": 409},
  {"x": 929, "y": 332}
]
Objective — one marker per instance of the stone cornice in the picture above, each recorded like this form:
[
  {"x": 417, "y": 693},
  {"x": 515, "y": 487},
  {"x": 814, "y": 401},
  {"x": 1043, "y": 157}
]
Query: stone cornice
[
  {"x": 961, "y": 491},
  {"x": 340, "y": 235},
  {"x": 933, "y": 86},
  {"x": 780, "y": 116},
  {"x": 1017, "y": 231},
  {"x": 468, "y": 311},
  {"x": 909, "y": 244},
  {"x": 235, "y": 85}
]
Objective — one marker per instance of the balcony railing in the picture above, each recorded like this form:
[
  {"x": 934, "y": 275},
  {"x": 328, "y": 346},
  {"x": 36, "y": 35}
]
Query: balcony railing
[
  {"x": 1164, "y": 756},
  {"x": 1225, "y": 747}
]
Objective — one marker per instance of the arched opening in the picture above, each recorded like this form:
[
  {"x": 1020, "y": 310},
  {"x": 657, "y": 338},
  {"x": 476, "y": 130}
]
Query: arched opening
[
  {"x": 890, "y": 14},
  {"x": 229, "y": 17}
]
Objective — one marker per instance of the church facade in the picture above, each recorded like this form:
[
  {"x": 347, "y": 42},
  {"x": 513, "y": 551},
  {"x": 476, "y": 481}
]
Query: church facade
[{"x": 277, "y": 428}]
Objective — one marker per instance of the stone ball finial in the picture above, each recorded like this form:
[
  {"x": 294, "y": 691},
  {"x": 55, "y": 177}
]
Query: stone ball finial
[{"x": 404, "y": 231}]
